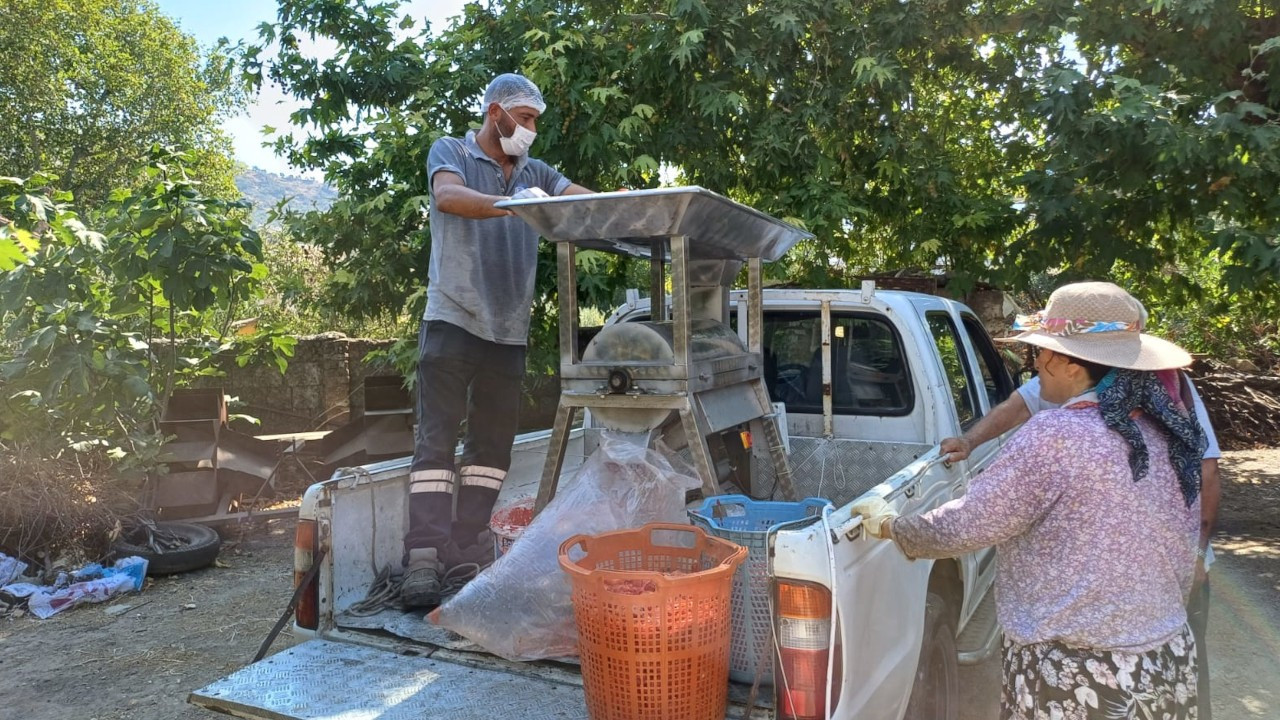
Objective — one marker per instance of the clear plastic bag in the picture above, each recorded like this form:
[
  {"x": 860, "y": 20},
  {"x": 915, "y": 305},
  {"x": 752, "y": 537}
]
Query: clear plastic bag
[{"x": 520, "y": 607}]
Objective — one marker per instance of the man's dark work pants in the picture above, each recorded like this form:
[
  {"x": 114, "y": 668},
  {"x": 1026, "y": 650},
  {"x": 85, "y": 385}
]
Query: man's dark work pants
[{"x": 460, "y": 376}]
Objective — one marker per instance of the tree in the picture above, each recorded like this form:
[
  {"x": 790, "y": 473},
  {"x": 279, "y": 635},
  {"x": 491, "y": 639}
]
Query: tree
[
  {"x": 100, "y": 325},
  {"x": 997, "y": 140},
  {"x": 87, "y": 86}
]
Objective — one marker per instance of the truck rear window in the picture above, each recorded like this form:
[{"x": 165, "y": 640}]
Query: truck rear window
[{"x": 868, "y": 368}]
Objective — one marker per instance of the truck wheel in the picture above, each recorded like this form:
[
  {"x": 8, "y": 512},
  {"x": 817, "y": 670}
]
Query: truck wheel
[
  {"x": 936, "y": 693},
  {"x": 171, "y": 547}
]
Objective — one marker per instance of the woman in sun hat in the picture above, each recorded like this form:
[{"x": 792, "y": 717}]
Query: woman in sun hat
[{"x": 1094, "y": 512}]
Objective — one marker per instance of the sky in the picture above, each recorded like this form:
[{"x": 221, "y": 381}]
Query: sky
[{"x": 208, "y": 20}]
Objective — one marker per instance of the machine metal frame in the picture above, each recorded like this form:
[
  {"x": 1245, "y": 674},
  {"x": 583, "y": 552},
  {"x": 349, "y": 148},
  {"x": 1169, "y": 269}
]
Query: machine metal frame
[{"x": 705, "y": 239}]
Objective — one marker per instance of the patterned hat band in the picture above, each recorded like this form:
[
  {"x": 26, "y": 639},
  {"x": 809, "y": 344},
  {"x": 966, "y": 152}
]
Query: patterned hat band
[{"x": 1063, "y": 327}]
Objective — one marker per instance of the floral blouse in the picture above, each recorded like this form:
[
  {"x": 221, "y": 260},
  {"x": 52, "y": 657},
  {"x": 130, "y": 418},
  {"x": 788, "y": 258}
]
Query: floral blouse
[{"x": 1085, "y": 555}]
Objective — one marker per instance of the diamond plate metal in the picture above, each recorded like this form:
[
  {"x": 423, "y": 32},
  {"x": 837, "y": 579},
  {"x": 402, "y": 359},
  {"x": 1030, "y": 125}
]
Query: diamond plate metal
[
  {"x": 840, "y": 470},
  {"x": 322, "y": 680}
]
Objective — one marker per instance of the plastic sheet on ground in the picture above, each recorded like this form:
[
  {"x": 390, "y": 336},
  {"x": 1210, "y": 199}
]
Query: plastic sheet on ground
[
  {"x": 10, "y": 569},
  {"x": 520, "y": 607},
  {"x": 90, "y": 584}
]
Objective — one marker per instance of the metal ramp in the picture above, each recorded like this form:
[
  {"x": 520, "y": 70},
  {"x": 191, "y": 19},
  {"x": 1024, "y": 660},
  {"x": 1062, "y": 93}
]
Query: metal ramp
[
  {"x": 323, "y": 680},
  {"x": 326, "y": 680}
]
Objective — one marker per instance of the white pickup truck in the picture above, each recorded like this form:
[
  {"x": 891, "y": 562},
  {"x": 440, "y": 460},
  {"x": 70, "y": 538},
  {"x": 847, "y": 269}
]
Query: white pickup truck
[{"x": 870, "y": 380}]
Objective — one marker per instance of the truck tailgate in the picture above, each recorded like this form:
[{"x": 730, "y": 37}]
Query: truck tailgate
[{"x": 323, "y": 679}]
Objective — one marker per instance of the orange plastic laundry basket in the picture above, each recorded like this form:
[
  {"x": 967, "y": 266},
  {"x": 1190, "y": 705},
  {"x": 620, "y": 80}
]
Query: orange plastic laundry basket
[{"x": 653, "y": 612}]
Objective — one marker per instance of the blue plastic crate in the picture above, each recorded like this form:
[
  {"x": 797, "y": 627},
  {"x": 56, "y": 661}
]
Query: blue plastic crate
[{"x": 750, "y": 523}]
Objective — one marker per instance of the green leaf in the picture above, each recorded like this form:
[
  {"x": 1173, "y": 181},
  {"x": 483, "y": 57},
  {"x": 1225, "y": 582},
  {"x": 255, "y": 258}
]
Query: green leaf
[
  {"x": 11, "y": 254},
  {"x": 284, "y": 344},
  {"x": 38, "y": 206},
  {"x": 645, "y": 163},
  {"x": 29, "y": 242},
  {"x": 602, "y": 94},
  {"x": 1246, "y": 109},
  {"x": 786, "y": 22},
  {"x": 137, "y": 387}
]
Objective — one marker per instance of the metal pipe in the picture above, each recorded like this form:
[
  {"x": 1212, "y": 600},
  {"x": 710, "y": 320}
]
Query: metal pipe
[{"x": 828, "y": 412}]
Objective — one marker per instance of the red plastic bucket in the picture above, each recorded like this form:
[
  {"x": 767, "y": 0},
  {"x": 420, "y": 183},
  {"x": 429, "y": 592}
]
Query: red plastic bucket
[{"x": 508, "y": 523}]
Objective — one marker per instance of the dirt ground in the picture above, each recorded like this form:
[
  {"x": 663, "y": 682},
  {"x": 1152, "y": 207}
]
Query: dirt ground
[{"x": 104, "y": 662}]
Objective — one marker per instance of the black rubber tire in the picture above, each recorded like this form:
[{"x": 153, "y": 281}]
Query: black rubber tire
[
  {"x": 201, "y": 548},
  {"x": 936, "y": 693}
]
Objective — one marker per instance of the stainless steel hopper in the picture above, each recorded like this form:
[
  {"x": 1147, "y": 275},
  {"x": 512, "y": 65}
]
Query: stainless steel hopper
[{"x": 684, "y": 372}]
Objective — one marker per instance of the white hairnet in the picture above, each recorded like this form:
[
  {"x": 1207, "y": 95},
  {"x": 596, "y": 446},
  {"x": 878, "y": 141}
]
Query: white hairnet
[{"x": 510, "y": 90}]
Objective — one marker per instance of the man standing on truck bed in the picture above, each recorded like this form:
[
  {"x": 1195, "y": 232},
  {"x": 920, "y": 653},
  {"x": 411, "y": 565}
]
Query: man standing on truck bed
[{"x": 471, "y": 344}]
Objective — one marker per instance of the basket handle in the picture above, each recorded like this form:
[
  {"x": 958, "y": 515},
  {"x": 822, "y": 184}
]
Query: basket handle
[
  {"x": 716, "y": 508},
  {"x": 653, "y": 528},
  {"x": 737, "y": 557},
  {"x": 583, "y": 541},
  {"x": 578, "y": 541}
]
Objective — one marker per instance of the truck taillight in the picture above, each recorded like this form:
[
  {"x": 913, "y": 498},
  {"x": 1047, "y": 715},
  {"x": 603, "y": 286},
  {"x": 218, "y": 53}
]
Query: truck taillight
[
  {"x": 804, "y": 645},
  {"x": 305, "y": 543}
]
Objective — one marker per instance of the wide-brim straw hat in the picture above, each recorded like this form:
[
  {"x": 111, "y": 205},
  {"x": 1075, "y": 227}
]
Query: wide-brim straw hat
[{"x": 1101, "y": 323}]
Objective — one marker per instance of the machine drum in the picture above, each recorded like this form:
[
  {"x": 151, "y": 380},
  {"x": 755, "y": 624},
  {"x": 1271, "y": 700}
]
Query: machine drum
[{"x": 643, "y": 353}]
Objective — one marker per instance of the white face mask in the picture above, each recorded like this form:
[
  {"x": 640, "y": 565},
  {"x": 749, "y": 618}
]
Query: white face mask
[{"x": 519, "y": 142}]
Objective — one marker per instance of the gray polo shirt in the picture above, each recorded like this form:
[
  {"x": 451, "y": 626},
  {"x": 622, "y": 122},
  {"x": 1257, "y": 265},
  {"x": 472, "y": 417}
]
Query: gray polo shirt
[{"x": 481, "y": 276}]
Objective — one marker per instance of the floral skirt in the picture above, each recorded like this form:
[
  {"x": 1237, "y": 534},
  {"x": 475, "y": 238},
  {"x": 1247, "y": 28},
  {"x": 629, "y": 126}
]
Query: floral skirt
[{"x": 1052, "y": 681}]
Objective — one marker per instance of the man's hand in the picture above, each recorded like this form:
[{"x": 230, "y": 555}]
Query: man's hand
[
  {"x": 1002, "y": 418},
  {"x": 956, "y": 448},
  {"x": 529, "y": 193},
  {"x": 876, "y": 516}
]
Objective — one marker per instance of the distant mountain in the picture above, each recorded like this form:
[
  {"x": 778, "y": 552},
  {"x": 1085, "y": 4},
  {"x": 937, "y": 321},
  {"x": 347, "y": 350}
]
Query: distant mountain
[{"x": 264, "y": 189}]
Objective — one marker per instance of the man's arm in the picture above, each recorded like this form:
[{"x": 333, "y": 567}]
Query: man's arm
[
  {"x": 1002, "y": 418},
  {"x": 1210, "y": 492},
  {"x": 576, "y": 189},
  {"x": 1210, "y": 484},
  {"x": 453, "y": 196}
]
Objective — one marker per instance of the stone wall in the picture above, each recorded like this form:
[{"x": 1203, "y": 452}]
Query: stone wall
[{"x": 321, "y": 389}]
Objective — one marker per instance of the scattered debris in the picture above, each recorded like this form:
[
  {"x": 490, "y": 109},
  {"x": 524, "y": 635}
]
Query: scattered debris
[
  {"x": 61, "y": 513},
  {"x": 170, "y": 546},
  {"x": 90, "y": 584},
  {"x": 1243, "y": 407},
  {"x": 10, "y": 569}
]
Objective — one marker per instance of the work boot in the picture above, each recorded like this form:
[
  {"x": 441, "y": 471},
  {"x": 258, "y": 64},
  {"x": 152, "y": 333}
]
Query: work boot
[
  {"x": 478, "y": 553},
  {"x": 421, "y": 586}
]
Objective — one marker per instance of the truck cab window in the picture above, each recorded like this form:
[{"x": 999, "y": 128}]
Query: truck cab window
[
  {"x": 868, "y": 368},
  {"x": 951, "y": 352},
  {"x": 995, "y": 377}
]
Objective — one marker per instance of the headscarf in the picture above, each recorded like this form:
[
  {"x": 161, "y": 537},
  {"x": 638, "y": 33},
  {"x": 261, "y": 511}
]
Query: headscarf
[{"x": 1122, "y": 393}]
